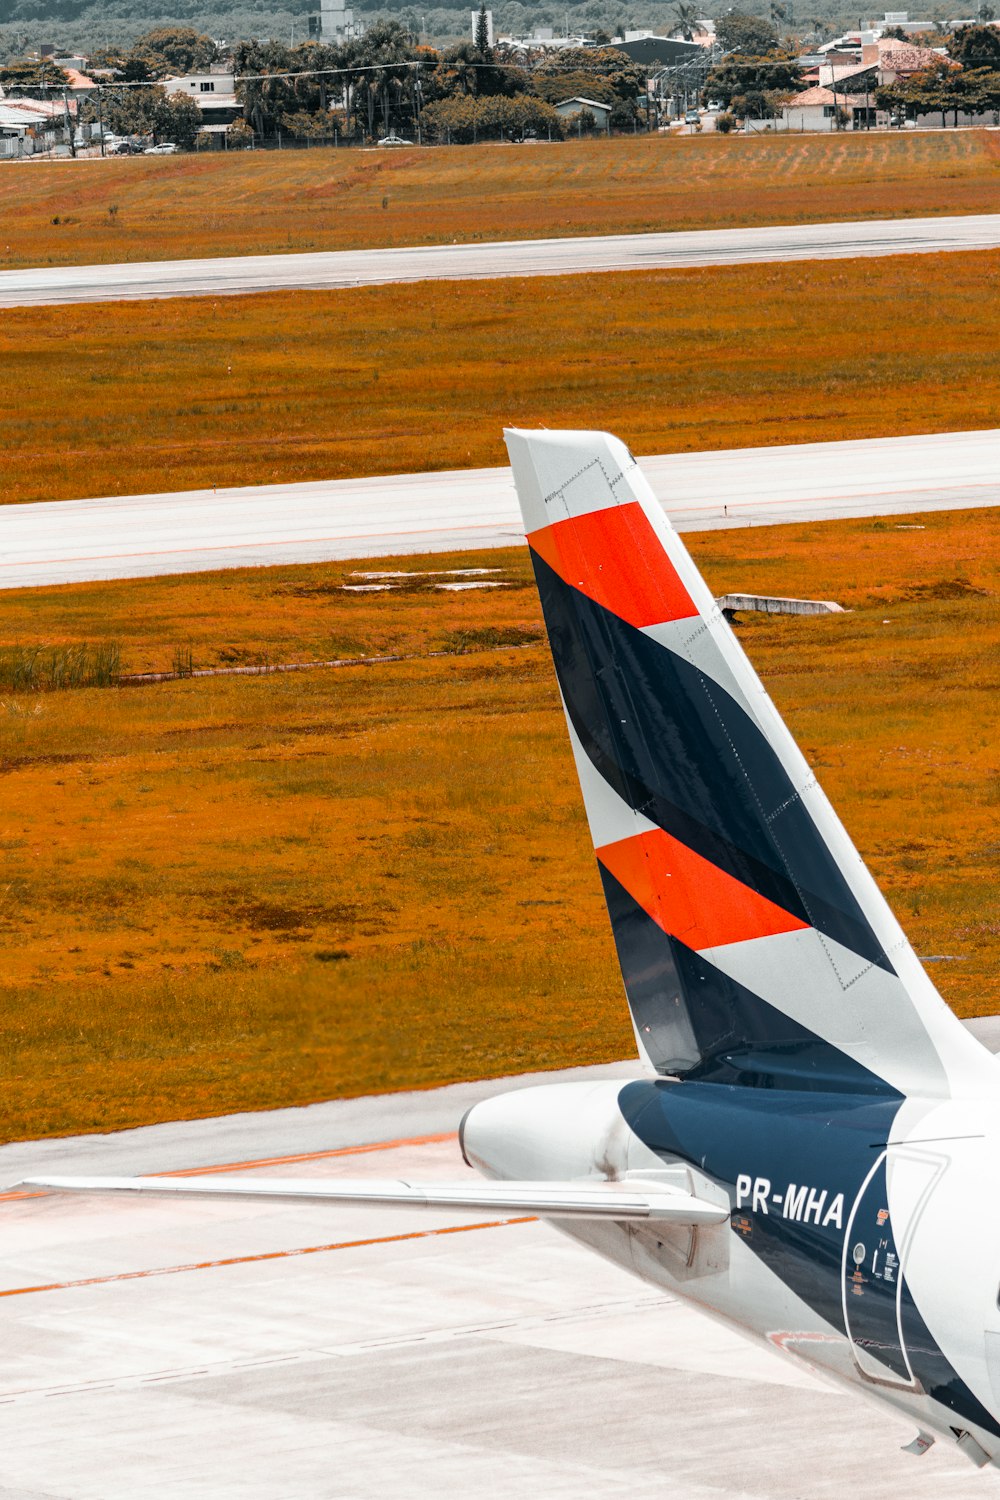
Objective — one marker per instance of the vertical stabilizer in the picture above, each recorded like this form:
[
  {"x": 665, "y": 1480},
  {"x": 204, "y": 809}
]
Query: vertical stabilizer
[{"x": 755, "y": 946}]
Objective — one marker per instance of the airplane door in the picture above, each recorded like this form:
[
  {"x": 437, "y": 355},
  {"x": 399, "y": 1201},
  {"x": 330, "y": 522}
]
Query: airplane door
[{"x": 873, "y": 1271}]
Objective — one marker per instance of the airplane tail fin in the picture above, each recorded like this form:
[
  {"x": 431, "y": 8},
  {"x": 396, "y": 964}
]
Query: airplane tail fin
[{"x": 754, "y": 944}]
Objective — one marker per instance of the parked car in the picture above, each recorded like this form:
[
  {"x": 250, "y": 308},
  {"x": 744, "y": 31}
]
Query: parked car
[
  {"x": 166, "y": 148},
  {"x": 692, "y": 117},
  {"x": 394, "y": 140}
]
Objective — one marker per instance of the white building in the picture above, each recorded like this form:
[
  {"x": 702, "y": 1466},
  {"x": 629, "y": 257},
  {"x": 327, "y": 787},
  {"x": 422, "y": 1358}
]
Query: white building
[
  {"x": 568, "y": 109},
  {"x": 822, "y": 108},
  {"x": 336, "y": 22},
  {"x": 214, "y": 94},
  {"x": 30, "y": 125}
]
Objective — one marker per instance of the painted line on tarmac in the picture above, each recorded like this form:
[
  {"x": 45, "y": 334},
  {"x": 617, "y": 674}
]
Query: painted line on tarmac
[
  {"x": 246, "y": 1260},
  {"x": 274, "y": 1161},
  {"x": 285, "y": 1161},
  {"x": 309, "y": 541}
]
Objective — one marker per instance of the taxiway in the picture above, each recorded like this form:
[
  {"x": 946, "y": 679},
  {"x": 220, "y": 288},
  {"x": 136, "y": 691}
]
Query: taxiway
[
  {"x": 256, "y": 1351},
  {"x": 333, "y": 270},
  {"x": 72, "y": 541}
]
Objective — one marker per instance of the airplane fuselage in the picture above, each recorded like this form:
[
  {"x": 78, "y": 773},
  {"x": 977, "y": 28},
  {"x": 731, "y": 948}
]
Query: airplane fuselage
[{"x": 862, "y": 1237}]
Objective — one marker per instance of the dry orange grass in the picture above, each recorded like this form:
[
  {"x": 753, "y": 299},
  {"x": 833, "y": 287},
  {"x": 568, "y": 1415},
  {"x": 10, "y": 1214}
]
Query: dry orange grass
[
  {"x": 57, "y": 213},
  {"x": 171, "y": 395},
  {"x": 235, "y": 893}
]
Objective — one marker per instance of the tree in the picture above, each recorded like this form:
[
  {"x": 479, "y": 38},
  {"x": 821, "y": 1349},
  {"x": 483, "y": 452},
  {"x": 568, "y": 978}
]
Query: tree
[
  {"x": 937, "y": 88},
  {"x": 554, "y": 87},
  {"x": 626, "y": 78},
  {"x": 976, "y": 47},
  {"x": 583, "y": 122},
  {"x": 751, "y": 36},
  {"x": 306, "y": 126},
  {"x": 132, "y": 111},
  {"x": 457, "y": 72},
  {"x": 134, "y": 65},
  {"x": 152, "y": 111},
  {"x": 32, "y": 73},
  {"x": 753, "y": 87},
  {"x": 181, "y": 121},
  {"x": 979, "y": 90},
  {"x": 463, "y": 118},
  {"x": 239, "y": 136},
  {"x": 264, "y": 98},
  {"x": 483, "y": 35},
  {"x": 384, "y": 60},
  {"x": 685, "y": 16},
  {"x": 181, "y": 49}
]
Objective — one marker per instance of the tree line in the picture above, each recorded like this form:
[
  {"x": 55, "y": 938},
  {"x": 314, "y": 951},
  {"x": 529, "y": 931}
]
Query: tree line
[{"x": 381, "y": 83}]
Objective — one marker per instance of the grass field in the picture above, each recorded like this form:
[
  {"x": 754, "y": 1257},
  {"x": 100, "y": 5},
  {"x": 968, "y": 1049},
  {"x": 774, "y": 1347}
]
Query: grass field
[
  {"x": 59, "y": 213},
  {"x": 240, "y": 892},
  {"x": 131, "y": 398}
]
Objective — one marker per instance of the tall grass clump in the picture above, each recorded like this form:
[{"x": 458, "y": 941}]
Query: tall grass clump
[{"x": 41, "y": 669}]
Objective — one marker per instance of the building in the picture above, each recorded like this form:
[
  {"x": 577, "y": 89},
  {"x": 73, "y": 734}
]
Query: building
[
  {"x": 897, "y": 61},
  {"x": 543, "y": 39},
  {"x": 652, "y": 52},
  {"x": 214, "y": 94},
  {"x": 568, "y": 109},
  {"x": 31, "y": 125},
  {"x": 335, "y": 22},
  {"x": 848, "y": 79},
  {"x": 821, "y": 108},
  {"x": 901, "y": 19}
]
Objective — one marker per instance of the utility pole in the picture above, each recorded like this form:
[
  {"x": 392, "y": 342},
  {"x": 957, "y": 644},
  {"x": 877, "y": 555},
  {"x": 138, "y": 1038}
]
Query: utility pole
[
  {"x": 415, "y": 95},
  {"x": 69, "y": 122},
  {"x": 100, "y": 118}
]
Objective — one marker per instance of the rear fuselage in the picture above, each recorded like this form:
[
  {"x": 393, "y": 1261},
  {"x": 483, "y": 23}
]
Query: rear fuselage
[{"x": 863, "y": 1234}]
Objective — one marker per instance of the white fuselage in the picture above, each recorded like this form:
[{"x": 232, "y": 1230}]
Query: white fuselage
[{"x": 881, "y": 1269}]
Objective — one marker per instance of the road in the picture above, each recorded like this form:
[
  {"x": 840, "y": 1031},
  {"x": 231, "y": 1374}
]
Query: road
[
  {"x": 72, "y": 541},
  {"x": 335, "y": 269},
  {"x": 178, "y": 1350}
]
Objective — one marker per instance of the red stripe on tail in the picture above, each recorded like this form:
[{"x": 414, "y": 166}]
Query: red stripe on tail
[
  {"x": 689, "y": 897},
  {"x": 615, "y": 557}
]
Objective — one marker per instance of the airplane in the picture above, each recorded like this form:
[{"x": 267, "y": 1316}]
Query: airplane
[{"x": 812, "y": 1154}]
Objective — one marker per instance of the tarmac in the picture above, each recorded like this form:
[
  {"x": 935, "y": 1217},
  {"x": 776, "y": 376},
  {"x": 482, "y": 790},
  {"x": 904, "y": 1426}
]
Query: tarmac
[
  {"x": 71, "y": 541},
  {"x": 332, "y": 270},
  {"x": 186, "y": 1350}
]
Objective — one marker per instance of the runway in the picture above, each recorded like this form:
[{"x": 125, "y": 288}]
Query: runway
[
  {"x": 251, "y": 1351},
  {"x": 73, "y": 541},
  {"x": 337, "y": 269}
]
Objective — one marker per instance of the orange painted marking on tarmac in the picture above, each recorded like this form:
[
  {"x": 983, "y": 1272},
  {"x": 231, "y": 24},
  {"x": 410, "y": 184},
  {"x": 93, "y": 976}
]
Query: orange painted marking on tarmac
[
  {"x": 285, "y": 1161},
  {"x": 278, "y": 1161},
  {"x": 246, "y": 1260}
]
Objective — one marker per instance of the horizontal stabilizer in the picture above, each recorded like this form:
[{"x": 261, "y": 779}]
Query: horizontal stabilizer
[{"x": 546, "y": 1200}]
